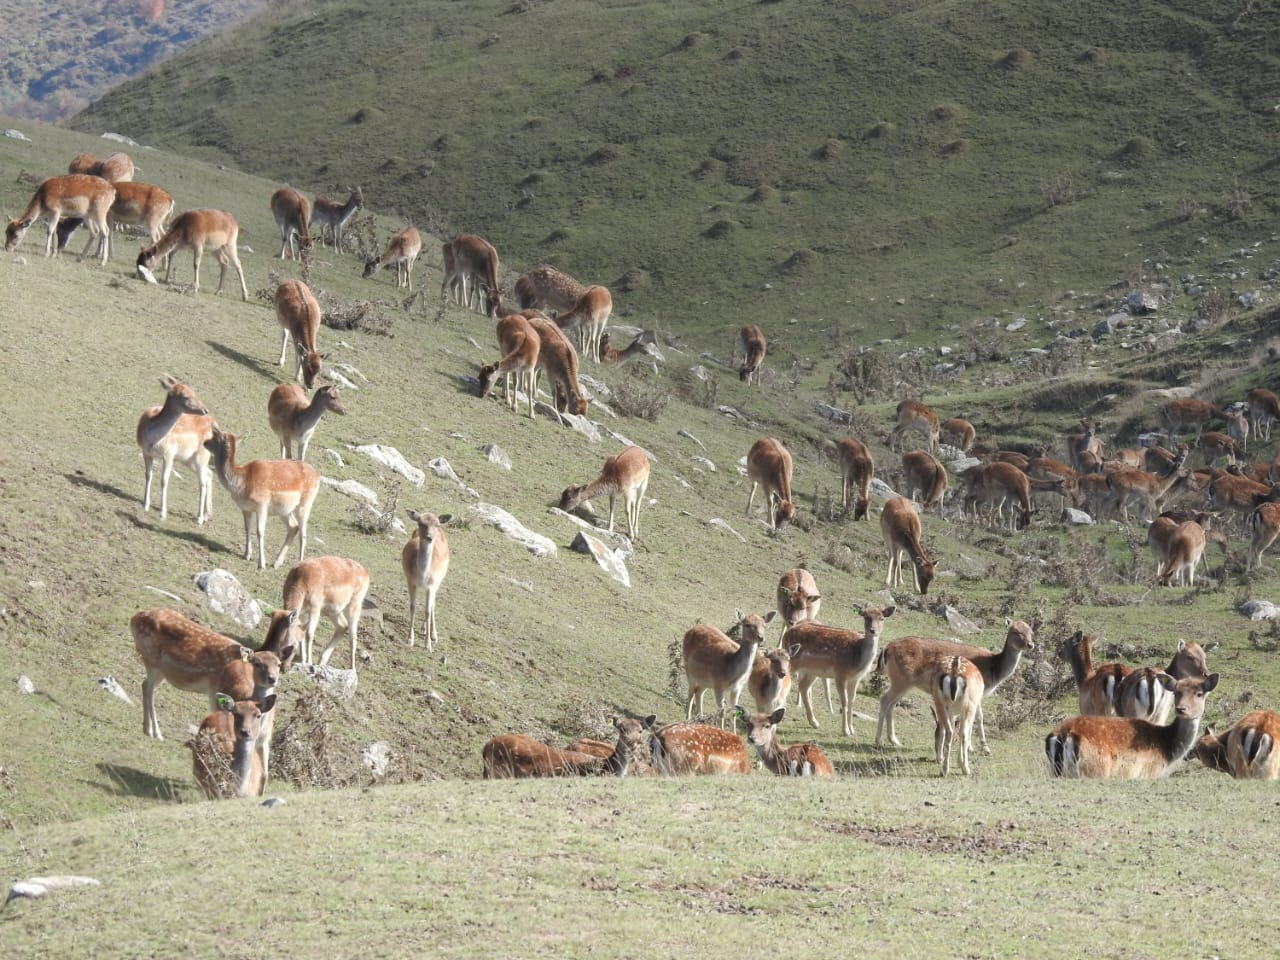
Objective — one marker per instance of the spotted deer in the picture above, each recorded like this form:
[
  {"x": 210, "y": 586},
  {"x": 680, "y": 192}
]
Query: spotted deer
[
  {"x": 715, "y": 661},
  {"x": 798, "y": 760},
  {"x": 683, "y": 749},
  {"x": 845, "y": 656}
]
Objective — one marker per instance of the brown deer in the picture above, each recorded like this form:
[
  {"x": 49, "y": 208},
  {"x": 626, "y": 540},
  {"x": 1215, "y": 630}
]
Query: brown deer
[
  {"x": 769, "y": 465},
  {"x": 520, "y": 346},
  {"x": 1247, "y": 751},
  {"x": 959, "y": 433},
  {"x": 225, "y": 759},
  {"x": 626, "y": 475},
  {"x": 116, "y": 168},
  {"x": 546, "y": 288},
  {"x": 771, "y": 676},
  {"x": 957, "y": 701},
  {"x": 470, "y": 266},
  {"x": 715, "y": 661},
  {"x": 141, "y": 205},
  {"x": 798, "y": 598},
  {"x": 69, "y": 197},
  {"x": 754, "y": 347},
  {"x": 402, "y": 251},
  {"x": 641, "y": 346},
  {"x": 683, "y": 749},
  {"x": 1264, "y": 410},
  {"x": 900, "y": 528},
  {"x": 914, "y": 415},
  {"x": 1084, "y": 450},
  {"x": 298, "y": 314},
  {"x": 515, "y": 756},
  {"x": 334, "y": 587},
  {"x": 1264, "y": 526},
  {"x": 294, "y": 419},
  {"x": 1099, "y": 687},
  {"x": 857, "y": 469},
  {"x": 1182, "y": 551},
  {"x": 425, "y": 561},
  {"x": 197, "y": 230},
  {"x": 266, "y": 488},
  {"x": 924, "y": 474},
  {"x": 1128, "y": 748},
  {"x": 1178, "y": 415},
  {"x": 845, "y": 656},
  {"x": 292, "y": 213},
  {"x": 331, "y": 216},
  {"x": 176, "y": 432},
  {"x": 558, "y": 358},
  {"x": 799, "y": 760},
  {"x": 1142, "y": 695},
  {"x": 589, "y": 317}
]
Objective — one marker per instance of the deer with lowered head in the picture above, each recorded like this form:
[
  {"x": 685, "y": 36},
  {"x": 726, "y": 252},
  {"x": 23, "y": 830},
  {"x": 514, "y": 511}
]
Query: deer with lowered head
[
  {"x": 626, "y": 475},
  {"x": 769, "y": 465},
  {"x": 546, "y": 288},
  {"x": 334, "y": 587},
  {"x": 559, "y": 360},
  {"x": 715, "y": 661},
  {"x": 298, "y": 314},
  {"x": 198, "y": 230},
  {"x": 924, "y": 474},
  {"x": 900, "y": 528},
  {"x": 856, "y": 471},
  {"x": 798, "y": 760},
  {"x": 520, "y": 346},
  {"x": 294, "y": 419},
  {"x": 175, "y": 432},
  {"x": 402, "y": 252},
  {"x": 471, "y": 273},
  {"x": 75, "y": 196}
]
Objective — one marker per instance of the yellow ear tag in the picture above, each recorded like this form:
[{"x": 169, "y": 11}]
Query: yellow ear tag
[{"x": 246, "y": 654}]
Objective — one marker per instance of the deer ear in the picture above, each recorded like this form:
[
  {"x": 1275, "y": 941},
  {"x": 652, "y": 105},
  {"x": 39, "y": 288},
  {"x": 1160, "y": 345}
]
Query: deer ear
[
  {"x": 775, "y": 718},
  {"x": 1210, "y": 682},
  {"x": 888, "y": 612},
  {"x": 793, "y": 650},
  {"x": 225, "y": 703},
  {"x": 444, "y": 518},
  {"x": 650, "y": 720},
  {"x": 1008, "y": 621},
  {"x": 740, "y": 713},
  {"x": 286, "y": 653},
  {"x": 268, "y": 704},
  {"x": 768, "y": 617}
]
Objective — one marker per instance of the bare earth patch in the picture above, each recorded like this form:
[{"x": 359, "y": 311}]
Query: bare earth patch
[{"x": 997, "y": 842}]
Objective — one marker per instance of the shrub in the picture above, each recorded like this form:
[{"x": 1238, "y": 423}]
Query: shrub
[{"x": 641, "y": 394}]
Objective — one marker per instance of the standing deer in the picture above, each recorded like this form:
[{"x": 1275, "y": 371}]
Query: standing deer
[
  {"x": 141, "y": 205},
  {"x": 960, "y": 433},
  {"x": 298, "y": 314},
  {"x": 799, "y": 760},
  {"x": 294, "y": 420},
  {"x": 425, "y": 561},
  {"x": 924, "y": 475},
  {"x": 769, "y": 465},
  {"x": 1099, "y": 687},
  {"x": 558, "y": 358},
  {"x": 292, "y": 213},
  {"x": 914, "y": 415},
  {"x": 196, "y": 230},
  {"x": 798, "y": 599},
  {"x": 470, "y": 264},
  {"x": 845, "y": 656},
  {"x": 1179, "y": 415},
  {"x": 334, "y": 587},
  {"x": 1264, "y": 526},
  {"x": 754, "y": 347},
  {"x": 714, "y": 661},
  {"x": 59, "y": 198},
  {"x": 520, "y": 346},
  {"x": 770, "y": 679},
  {"x": 589, "y": 317},
  {"x": 625, "y": 474},
  {"x": 957, "y": 701},
  {"x": 856, "y": 471},
  {"x": 331, "y": 216},
  {"x": 402, "y": 250},
  {"x": 176, "y": 432},
  {"x": 1264, "y": 410},
  {"x": 900, "y": 528}
]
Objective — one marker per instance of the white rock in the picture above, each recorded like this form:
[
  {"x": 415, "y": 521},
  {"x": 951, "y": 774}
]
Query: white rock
[
  {"x": 882, "y": 490},
  {"x": 958, "y": 621},
  {"x": 689, "y": 436},
  {"x": 25, "y": 685},
  {"x": 377, "y": 757},
  {"x": 13, "y": 134},
  {"x": 835, "y": 414},
  {"x": 1016, "y": 325},
  {"x": 227, "y": 596},
  {"x": 37, "y": 887},
  {"x": 619, "y": 542},
  {"x": 608, "y": 560},
  {"x": 703, "y": 461},
  {"x": 496, "y": 455},
  {"x": 333, "y": 680},
  {"x": 720, "y": 524},
  {"x": 598, "y": 387},
  {"x": 335, "y": 456},
  {"x": 120, "y": 138},
  {"x": 583, "y": 426},
  {"x": 1260, "y": 610},
  {"x": 337, "y": 377},
  {"x": 111, "y": 686},
  {"x": 350, "y": 371},
  {"x": 147, "y": 275},
  {"x": 1074, "y": 517},
  {"x": 391, "y": 458},
  {"x": 495, "y": 516},
  {"x": 353, "y": 489}
]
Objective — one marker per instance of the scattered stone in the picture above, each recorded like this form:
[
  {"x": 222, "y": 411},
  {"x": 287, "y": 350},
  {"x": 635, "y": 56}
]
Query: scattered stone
[
  {"x": 1110, "y": 325},
  {"x": 1140, "y": 303},
  {"x": 335, "y": 456},
  {"x": 272, "y": 802},
  {"x": 834, "y": 414},
  {"x": 164, "y": 593},
  {"x": 598, "y": 387},
  {"x": 628, "y": 443},
  {"x": 729, "y": 412},
  {"x": 1074, "y": 517},
  {"x": 37, "y": 887},
  {"x": 881, "y": 490},
  {"x": 700, "y": 372},
  {"x": 337, "y": 377},
  {"x": 227, "y": 596},
  {"x": 958, "y": 621},
  {"x": 689, "y": 436},
  {"x": 441, "y": 468},
  {"x": 25, "y": 686},
  {"x": 13, "y": 134},
  {"x": 1260, "y": 610},
  {"x": 353, "y": 489},
  {"x": 962, "y": 463},
  {"x": 377, "y": 757},
  {"x": 111, "y": 686},
  {"x": 120, "y": 138},
  {"x": 724, "y": 525},
  {"x": 391, "y": 458},
  {"x": 703, "y": 461},
  {"x": 583, "y": 426},
  {"x": 434, "y": 698},
  {"x": 349, "y": 370},
  {"x": 495, "y": 516},
  {"x": 608, "y": 560},
  {"x": 496, "y": 455},
  {"x": 620, "y": 543},
  {"x": 334, "y": 681},
  {"x": 1016, "y": 325}
]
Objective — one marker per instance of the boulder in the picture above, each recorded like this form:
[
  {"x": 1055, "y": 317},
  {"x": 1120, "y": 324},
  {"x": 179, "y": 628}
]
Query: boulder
[
  {"x": 720, "y": 524},
  {"x": 353, "y": 489},
  {"x": 1260, "y": 610},
  {"x": 393, "y": 459},
  {"x": 334, "y": 681},
  {"x": 608, "y": 560},
  {"x": 227, "y": 596},
  {"x": 496, "y": 455},
  {"x": 495, "y": 516}
]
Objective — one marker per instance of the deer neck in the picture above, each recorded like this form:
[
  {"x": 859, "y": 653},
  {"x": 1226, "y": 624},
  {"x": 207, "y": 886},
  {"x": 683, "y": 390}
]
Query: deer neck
[
  {"x": 158, "y": 427},
  {"x": 1179, "y": 737},
  {"x": 422, "y": 562},
  {"x": 309, "y": 416},
  {"x": 231, "y": 475},
  {"x": 242, "y": 766},
  {"x": 1001, "y": 667},
  {"x": 865, "y": 651},
  {"x": 770, "y": 754},
  {"x": 1080, "y": 660}
]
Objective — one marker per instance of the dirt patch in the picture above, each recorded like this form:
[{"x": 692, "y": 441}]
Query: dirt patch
[{"x": 997, "y": 842}]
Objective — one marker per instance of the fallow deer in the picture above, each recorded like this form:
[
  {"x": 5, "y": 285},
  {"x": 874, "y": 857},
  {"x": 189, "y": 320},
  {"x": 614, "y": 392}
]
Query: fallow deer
[
  {"x": 754, "y": 347},
  {"x": 402, "y": 250},
  {"x": 1099, "y": 687},
  {"x": 425, "y": 561},
  {"x": 225, "y": 759},
  {"x": 1250, "y": 750},
  {"x": 1264, "y": 410},
  {"x": 771, "y": 676},
  {"x": 116, "y": 168},
  {"x": 471, "y": 263},
  {"x": 1264, "y": 527},
  {"x": 1084, "y": 450},
  {"x": 924, "y": 474},
  {"x": 641, "y": 346},
  {"x": 197, "y": 230},
  {"x": 176, "y": 432},
  {"x": 994, "y": 484},
  {"x": 298, "y": 314},
  {"x": 1179, "y": 415},
  {"x": 798, "y": 760},
  {"x": 845, "y": 656},
  {"x": 798, "y": 599},
  {"x": 628, "y": 756},
  {"x": 1183, "y": 551},
  {"x": 520, "y": 346},
  {"x": 546, "y": 288},
  {"x": 957, "y": 701},
  {"x": 715, "y": 661},
  {"x": 1161, "y": 461},
  {"x": 141, "y": 205},
  {"x": 916, "y": 661},
  {"x": 857, "y": 469},
  {"x": 72, "y": 196},
  {"x": 914, "y": 415},
  {"x": 558, "y": 358},
  {"x": 292, "y": 213},
  {"x": 626, "y": 475},
  {"x": 1128, "y": 748},
  {"x": 900, "y": 528},
  {"x": 589, "y": 317},
  {"x": 266, "y": 488},
  {"x": 1241, "y": 495},
  {"x": 331, "y": 216},
  {"x": 1238, "y": 426},
  {"x": 1049, "y": 470},
  {"x": 959, "y": 432},
  {"x": 294, "y": 419},
  {"x": 683, "y": 749},
  {"x": 515, "y": 756},
  {"x": 1127, "y": 488},
  {"x": 1217, "y": 448},
  {"x": 1142, "y": 695},
  {"x": 769, "y": 465},
  {"x": 334, "y": 587}
]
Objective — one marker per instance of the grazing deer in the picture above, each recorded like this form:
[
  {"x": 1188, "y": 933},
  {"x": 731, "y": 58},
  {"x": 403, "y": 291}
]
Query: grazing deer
[
  {"x": 1227, "y": 492},
  {"x": 1128, "y": 748},
  {"x": 425, "y": 561},
  {"x": 292, "y": 213},
  {"x": 1179, "y": 415},
  {"x": 1048, "y": 470},
  {"x": 1217, "y": 447},
  {"x": 298, "y": 314},
  {"x": 924, "y": 474},
  {"x": 845, "y": 656},
  {"x": 957, "y": 701},
  {"x": 799, "y": 760},
  {"x": 714, "y": 661},
  {"x": 402, "y": 250},
  {"x": 1264, "y": 527},
  {"x": 1142, "y": 696},
  {"x": 116, "y": 168},
  {"x": 625, "y": 474},
  {"x": 266, "y": 488},
  {"x": 915, "y": 661},
  {"x": 770, "y": 679},
  {"x": 914, "y": 415},
  {"x": 589, "y": 317},
  {"x": 754, "y": 347},
  {"x": 515, "y": 756},
  {"x": 470, "y": 264},
  {"x": 196, "y": 659},
  {"x": 558, "y": 358},
  {"x": 294, "y": 419},
  {"x": 225, "y": 760},
  {"x": 769, "y": 464},
  {"x": 641, "y": 346},
  {"x": 546, "y": 288},
  {"x": 798, "y": 599},
  {"x": 141, "y": 205},
  {"x": 1264, "y": 410},
  {"x": 994, "y": 484},
  {"x": 1247, "y": 751},
  {"x": 959, "y": 433},
  {"x": 520, "y": 345},
  {"x": 173, "y": 432},
  {"x": 1099, "y": 687},
  {"x": 856, "y": 471},
  {"x": 195, "y": 230},
  {"x": 73, "y": 196},
  {"x": 331, "y": 216},
  {"x": 900, "y": 528},
  {"x": 334, "y": 587},
  {"x": 1183, "y": 551},
  {"x": 683, "y": 749}
]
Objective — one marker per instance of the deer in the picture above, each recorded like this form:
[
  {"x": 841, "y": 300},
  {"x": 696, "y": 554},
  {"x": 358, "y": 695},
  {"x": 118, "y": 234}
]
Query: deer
[
  {"x": 298, "y": 314},
  {"x": 73, "y": 196},
  {"x": 798, "y": 599},
  {"x": 958, "y": 432},
  {"x": 225, "y": 760},
  {"x": 515, "y": 756},
  {"x": 1264, "y": 526},
  {"x": 845, "y": 656},
  {"x": 471, "y": 263},
  {"x": 142, "y": 205},
  {"x": 1264, "y": 410},
  {"x": 266, "y": 488},
  {"x": 924, "y": 474},
  {"x": 629, "y": 755},
  {"x": 1122, "y": 747},
  {"x": 798, "y": 760},
  {"x": 683, "y": 749},
  {"x": 1099, "y": 687},
  {"x": 196, "y": 659},
  {"x": 331, "y": 216},
  {"x": 1247, "y": 750},
  {"x": 589, "y": 317},
  {"x": 1050, "y": 470},
  {"x": 900, "y": 528},
  {"x": 1239, "y": 494},
  {"x": 957, "y": 700},
  {"x": 292, "y": 213},
  {"x": 1162, "y": 461},
  {"x": 425, "y": 561},
  {"x": 1217, "y": 447},
  {"x": 625, "y": 474},
  {"x": 546, "y": 288},
  {"x": 558, "y": 358},
  {"x": 520, "y": 346},
  {"x": 1238, "y": 426},
  {"x": 116, "y": 168},
  {"x": 754, "y": 347},
  {"x": 1183, "y": 552},
  {"x": 857, "y": 469},
  {"x": 769, "y": 465},
  {"x": 715, "y": 661},
  {"x": 771, "y": 676},
  {"x": 1127, "y": 487},
  {"x": 175, "y": 432},
  {"x": 1141, "y": 695},
  {"x": 915, "y": 662},
  {"x": 294, "y": 419},
  {"x": 641, "y": 346},
  {"x": 197, "y": 230},
  {"x": 334, "y": 587},
  {"x": 994, "y": 484},
  {"x": 914, "y": 415},
  {"x": 1178, "y": 415},
  {"x": 402, "y": 250},
  {"x": 1084, "y": 450}
]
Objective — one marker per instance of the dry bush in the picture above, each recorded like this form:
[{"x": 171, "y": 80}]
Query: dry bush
[
  {"x": 379, "y": 518},
  {"x": 1214, "y": 308},
  {"x": 1059, "y": 191},
  {"x": 362, "y": 315},
  {"x": 675, "y": 671},
  {"x": 306, "y": 753},
  {"x": 641, "y": 394}
]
